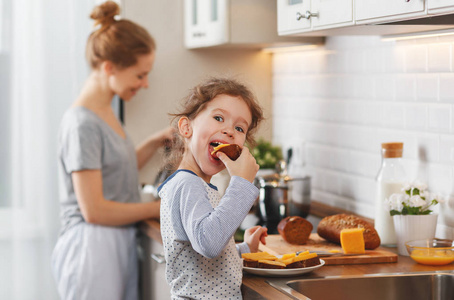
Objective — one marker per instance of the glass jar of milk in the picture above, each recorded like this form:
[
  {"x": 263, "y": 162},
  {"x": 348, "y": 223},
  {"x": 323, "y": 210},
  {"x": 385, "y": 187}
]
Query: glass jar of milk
[{"x": 390, "y": 179}]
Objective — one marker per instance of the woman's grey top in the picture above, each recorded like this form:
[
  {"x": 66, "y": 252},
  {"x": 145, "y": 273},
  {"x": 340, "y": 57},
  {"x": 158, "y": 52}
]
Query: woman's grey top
[{"x": 86, "y": 142}]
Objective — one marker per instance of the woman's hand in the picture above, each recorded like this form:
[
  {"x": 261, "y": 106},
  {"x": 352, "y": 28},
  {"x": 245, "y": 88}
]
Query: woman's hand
[
  {"x": 165, "y": 135},
  {"x": 254, "y": 235},
  {"x": 245, "y": 166},
  {"x": 148, "y": 148}
]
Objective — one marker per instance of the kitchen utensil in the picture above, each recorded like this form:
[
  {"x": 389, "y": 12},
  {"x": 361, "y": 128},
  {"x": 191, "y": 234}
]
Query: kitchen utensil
[
  {"x": 327, "y": 253},
  {"x": 282, "y": 196}
]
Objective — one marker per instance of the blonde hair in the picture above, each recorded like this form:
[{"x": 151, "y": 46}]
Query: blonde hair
[
  {"x": 198, "y": 98},
  {"x": 118, "y": 41}
]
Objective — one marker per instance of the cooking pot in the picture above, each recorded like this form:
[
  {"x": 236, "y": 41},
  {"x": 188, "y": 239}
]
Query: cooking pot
[{"x": 282, "y": 196}]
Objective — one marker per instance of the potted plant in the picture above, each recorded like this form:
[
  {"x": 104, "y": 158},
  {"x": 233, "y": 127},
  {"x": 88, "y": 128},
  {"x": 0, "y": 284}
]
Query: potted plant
[
  {"x": 267, "y": 156},
  {"x": 412, "y": 214}
]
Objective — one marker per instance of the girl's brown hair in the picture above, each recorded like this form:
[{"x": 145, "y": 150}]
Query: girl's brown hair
[
  {"x": 200, "y": 96},
  {"x": 118, "y": 41}
]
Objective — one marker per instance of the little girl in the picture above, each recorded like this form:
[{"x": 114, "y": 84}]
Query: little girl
[{"x": 197, "y": 226}]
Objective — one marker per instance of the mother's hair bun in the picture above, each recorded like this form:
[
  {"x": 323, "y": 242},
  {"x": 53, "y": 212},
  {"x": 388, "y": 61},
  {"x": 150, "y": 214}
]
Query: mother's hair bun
[{"x": 104, "y": 13}]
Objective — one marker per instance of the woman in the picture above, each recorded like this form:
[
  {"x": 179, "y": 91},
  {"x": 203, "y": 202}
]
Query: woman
[{"x": 95, "y": 256}]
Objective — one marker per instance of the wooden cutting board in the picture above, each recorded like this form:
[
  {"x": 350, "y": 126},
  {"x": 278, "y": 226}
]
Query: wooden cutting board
[{"x": 276, "y": 245}]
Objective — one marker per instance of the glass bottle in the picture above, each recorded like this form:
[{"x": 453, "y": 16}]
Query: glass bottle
[{"x": 390, "y": 179}]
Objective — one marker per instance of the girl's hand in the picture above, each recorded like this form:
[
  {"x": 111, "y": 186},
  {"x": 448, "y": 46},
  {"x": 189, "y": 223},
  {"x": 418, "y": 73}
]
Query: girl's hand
[
  {"x": 245, "y": 166},
  {"x": 254, "y": 235}
]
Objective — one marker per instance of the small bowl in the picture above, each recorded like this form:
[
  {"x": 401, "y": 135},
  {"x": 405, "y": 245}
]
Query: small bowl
[{"x": 432, "y": 252}]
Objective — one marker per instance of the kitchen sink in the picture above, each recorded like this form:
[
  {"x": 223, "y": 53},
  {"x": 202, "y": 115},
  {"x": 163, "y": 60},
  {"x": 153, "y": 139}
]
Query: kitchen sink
[{"x": 390, "y": 286}]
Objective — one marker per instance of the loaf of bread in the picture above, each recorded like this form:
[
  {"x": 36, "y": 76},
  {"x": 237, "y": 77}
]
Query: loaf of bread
[
  {"x": 295, "y": 230},
  {"x": 233, "y": 151},
  {"x": 330, "y": 228}
]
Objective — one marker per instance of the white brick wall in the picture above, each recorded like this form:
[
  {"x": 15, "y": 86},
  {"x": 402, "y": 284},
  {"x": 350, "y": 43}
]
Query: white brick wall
[{"x": 341, "y": 101}]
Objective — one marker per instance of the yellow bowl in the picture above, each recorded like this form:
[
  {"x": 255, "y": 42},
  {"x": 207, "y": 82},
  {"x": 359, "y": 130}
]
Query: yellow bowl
[{"x": 433, "y": 252}]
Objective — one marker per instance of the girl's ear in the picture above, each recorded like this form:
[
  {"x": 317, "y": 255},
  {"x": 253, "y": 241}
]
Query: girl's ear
[{"x": 184, "y": 126}]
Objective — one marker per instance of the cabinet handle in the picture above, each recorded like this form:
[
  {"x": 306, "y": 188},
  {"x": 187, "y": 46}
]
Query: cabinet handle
[
  {"x": 159, "y": 258},
  {"x": 307, "y": 15}
]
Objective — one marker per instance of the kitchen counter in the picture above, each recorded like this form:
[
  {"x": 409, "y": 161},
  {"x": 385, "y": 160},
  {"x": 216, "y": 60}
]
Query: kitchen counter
[{"x": 255, "y": 287}]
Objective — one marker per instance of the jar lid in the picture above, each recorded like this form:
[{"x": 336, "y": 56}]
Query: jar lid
[
  {"x": 391, "y": 150},
  {"x": 392, "y": 146}
]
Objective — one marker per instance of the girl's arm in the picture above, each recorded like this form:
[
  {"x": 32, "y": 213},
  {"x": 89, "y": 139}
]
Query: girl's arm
[
  {"x": 148, "y": 148},
  {"x": 98, "y": 210},
  {"x": 209, "y": 230}
]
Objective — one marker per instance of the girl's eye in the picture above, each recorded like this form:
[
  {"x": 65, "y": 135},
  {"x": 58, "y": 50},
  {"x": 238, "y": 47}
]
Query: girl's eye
[
  {"x": 239, "y": 129},
  {"x": 219, "y": 118}
]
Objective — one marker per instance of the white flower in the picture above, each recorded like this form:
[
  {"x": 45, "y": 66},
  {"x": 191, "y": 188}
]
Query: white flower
[
  {"x": 408, "y": 202},
  {"x": 421, "y": 186},
  {"x": 437, "y": 197},
  {"x": 394, "y": 202},
  {"x": 406, "y": 187},
  {"x": 425, "y": 194},
  {"x": 416, "y": 201}
]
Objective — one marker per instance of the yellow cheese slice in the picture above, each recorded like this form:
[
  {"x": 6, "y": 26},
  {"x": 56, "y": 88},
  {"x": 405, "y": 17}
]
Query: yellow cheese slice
[
  {"x": 287, "y": 256},
  {"x": 303, "y": 253},
  {"x": 285, "y": 261},
  {"x": 352, "y": 240},
  {"x": 258, "y": 256},
  {"x": 272, "y": 262},
  {"x": 304, "y": 257}
]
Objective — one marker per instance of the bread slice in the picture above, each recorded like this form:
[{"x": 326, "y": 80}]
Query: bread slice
[
  {"x": 233, "y": 151},
  {"x": 295, "y": 230},
  {"x": 251, "y": 260},
  {"x": 271, "y": 264},
  {"x": 304, "y": 260}
]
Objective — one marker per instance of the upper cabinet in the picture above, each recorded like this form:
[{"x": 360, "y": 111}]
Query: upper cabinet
[
  {"x": 295, "y": 16},
  {"x": 440, "y": 6},
  {"x": 206, "y": 23},
  {"x": 350, "y": 17},
  {"x": 388, "y": 10},
  {"x": 241, "y": 23}
]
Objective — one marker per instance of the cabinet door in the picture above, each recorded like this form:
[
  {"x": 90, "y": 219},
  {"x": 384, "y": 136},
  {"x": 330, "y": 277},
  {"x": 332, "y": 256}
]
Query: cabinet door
[
  {"x": 290, "y": 16},
  {"x": 153, "y": 285},
  {"x": 440, "y": 6},
  {"x": 206, "y": 23},
  {"x": 391, "y": 9},
  {"x": 331, "y": 13},
  {"x": 161, "y": 289}
]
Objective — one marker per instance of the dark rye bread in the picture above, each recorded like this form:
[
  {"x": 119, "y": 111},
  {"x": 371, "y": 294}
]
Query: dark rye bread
[
  {"x": 233, "y": 151},
  {"x": 250, "y": 263},
  {"x": 330, "y": 227},
  {"x": 314, "y": 261},
  {"x": 295, "y": 230},
  {"x": 271, "y": 264}
]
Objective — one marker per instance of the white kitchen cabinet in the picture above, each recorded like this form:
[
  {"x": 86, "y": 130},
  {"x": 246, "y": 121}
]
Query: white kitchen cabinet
[
  {"x": 296, "y": 16},
  {"x": 206, "y": 23},
  {"x": 153, "y": 285},
  {"x": 440, "y": 6},
  {"x": 387, "y": 10},
  {"x": 242, "y": 23}
]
